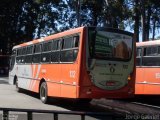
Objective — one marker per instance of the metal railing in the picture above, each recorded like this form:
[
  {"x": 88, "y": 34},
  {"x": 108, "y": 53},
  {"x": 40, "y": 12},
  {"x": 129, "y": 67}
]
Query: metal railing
[{"x": 54, "y": 112}]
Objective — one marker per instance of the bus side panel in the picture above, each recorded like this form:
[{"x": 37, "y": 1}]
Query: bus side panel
[
  {"x": 150, "y": 89},
  {"x": 68, "y": 91},
  {"x": 53, "y": 89},
  {"x": 35, "y": 78},
  {"x": 139, "y": 86},
  {"x": 151, "y": 81},
  {"x": 24, "y": 75},
  {"x": 51, "y": 73}
]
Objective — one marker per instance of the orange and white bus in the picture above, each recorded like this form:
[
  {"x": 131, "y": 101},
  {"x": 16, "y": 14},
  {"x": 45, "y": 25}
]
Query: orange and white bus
[
  {"x": 81, "y": 63},
  {"x": 148, "y": 68}
]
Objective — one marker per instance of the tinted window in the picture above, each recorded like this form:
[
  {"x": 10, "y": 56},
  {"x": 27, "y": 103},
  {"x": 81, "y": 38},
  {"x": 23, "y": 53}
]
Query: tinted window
[
  {"x": 151, "y": 51},
  {"x": 37, "y": 48},
  {"x": 67, "y": 43},
  {"x": 75, "y": 41},
  {"x": 139, "y": 52},
  {"x": 20, "y": 52},
  {"x": 55, "y": 44},
  {"x": 69, "y": 50},
  {"x": 36, "y": 58},
  {"x": 37, "y": 53},
  {"x": 55, "y": 56},
  {"x": 29, "y": 50},
  {"x": 47, "y": 46},
  {"x": 28, "y": 59}
]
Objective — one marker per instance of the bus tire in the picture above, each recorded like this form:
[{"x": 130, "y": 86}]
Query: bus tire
[
  {"x": 16, "y": 83},
  {"x": 44, "y": 93}
]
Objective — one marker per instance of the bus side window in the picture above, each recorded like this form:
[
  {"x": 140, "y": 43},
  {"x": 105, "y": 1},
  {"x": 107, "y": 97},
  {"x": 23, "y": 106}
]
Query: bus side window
[
  {"x": 144, "y": 52},
  {"x": 55, "y": 51},
  {"x": 139, "y": 52},
  {"x": 29, "y": 52},
  {"x": 23, "y": 55},
  {"x": 158, "y": 50},
  {"x": 19, "y": 58},
  {"x": 69, "y": 50},
  {"x": 46, "y": 52},
  {"x": 149, "y": 58},
  {"x": 66, "y": 51},
  {"x": 76, "y": 45},
  {"x": 37, "y": 53},
  {"x": 139, "y": 57},
  {"x": 76, "y": 41}
]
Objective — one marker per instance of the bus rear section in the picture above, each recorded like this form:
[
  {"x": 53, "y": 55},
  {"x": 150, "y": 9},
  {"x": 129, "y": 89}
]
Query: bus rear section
[
  {"x": 148, "y": 68},
  {"x": 108, "y": 65}
]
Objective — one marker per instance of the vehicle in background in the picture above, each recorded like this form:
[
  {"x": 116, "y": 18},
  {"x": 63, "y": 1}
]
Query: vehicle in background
[
  {"x": 80, "y": 63},
  {"x": 148, "y": 68}
]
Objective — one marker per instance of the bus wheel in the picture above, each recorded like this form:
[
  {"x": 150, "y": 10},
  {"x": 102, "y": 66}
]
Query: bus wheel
[
  {"x": 16, "y": 83},
  {"x": 44, "y": 93}
]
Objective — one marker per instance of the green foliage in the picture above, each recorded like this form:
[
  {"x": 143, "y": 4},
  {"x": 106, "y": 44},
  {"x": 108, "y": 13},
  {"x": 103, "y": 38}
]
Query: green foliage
[{"x": 24, "y": 20}]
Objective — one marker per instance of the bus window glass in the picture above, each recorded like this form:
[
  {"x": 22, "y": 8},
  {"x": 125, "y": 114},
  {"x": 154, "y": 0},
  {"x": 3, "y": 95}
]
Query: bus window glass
[
  {"x": 148, "y": 51},
  {"x": 110, "y": 45},
  {"x": 68, "y": 43},
  {"x": 76, "y": 41},
  {"x": 47, "y": 46},
  {"x": 154, "y": 50},
  {"x": 158, "y": 50},
  {"x": 55, "y": 56},
  {"x": 139, "y": 52},
  {"x": 55, "y": 45},
  {"x": 29, "y": 50},
  {"x": 37, "y": 55},
  {"x": 151, "y": 51},
  {"x": 13, "y": 52},
  {"x": 37, "y": 48}
]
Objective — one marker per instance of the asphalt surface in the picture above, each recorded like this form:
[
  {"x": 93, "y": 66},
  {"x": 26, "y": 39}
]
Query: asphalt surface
[{"x": 10, "y": 98}]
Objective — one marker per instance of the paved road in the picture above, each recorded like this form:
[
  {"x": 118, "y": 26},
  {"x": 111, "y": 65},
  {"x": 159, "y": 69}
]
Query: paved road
[{"x": 10, "y": 98}]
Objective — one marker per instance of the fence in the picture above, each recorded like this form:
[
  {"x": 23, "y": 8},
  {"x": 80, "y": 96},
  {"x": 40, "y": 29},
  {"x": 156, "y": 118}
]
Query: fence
[{"x": 54, "y": 112}]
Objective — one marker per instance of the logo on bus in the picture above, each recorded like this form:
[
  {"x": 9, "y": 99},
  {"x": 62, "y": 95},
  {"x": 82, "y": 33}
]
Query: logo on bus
[{"x": 112, "y": 69}]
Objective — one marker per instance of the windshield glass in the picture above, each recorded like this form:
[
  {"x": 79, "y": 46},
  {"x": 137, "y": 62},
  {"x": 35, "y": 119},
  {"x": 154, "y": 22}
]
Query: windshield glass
[{"x": 106, "y": 45}]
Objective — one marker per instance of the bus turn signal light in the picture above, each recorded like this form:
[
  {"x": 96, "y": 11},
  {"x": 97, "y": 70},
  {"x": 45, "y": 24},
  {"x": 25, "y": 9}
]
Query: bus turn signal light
[{"x": 129, "y": 77}]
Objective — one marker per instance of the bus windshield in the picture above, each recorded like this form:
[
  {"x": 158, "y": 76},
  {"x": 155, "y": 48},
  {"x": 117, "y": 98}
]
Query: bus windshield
[{"x": 110, "y": 45}]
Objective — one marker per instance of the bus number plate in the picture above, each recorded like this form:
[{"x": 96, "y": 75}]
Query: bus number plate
[{"x": 72, "y": 74}]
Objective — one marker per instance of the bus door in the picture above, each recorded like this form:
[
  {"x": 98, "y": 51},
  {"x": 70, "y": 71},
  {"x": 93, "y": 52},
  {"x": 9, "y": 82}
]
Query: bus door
[{"x": 69, "y": 65}]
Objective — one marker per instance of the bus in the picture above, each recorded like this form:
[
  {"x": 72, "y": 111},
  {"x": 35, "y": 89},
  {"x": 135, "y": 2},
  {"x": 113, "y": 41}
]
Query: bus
[
  {"x": 81, "y": 63},
  {"x": 4, "y": 65},
  {"x": 148, "y": 68}
]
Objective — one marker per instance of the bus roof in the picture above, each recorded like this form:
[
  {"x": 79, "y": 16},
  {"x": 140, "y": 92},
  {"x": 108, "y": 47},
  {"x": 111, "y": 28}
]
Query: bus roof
[
  {"x": 148, "y": 43},
  {"x": 54, "y": 36},
  {"x": 67, "y": 32}
]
